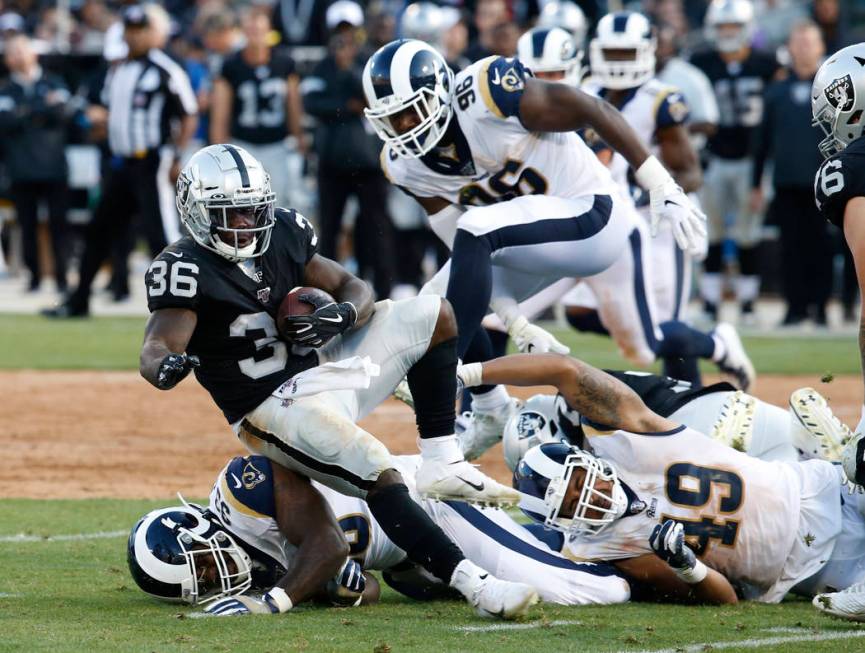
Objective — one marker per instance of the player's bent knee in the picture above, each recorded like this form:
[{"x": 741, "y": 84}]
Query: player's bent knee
[
  {"x": 387, "y": 478},
  {"x": 446, "y": 324}
]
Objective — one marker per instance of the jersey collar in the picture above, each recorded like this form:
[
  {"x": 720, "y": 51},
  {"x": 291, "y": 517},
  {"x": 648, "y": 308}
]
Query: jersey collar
[{"x": 454, "y": 159}]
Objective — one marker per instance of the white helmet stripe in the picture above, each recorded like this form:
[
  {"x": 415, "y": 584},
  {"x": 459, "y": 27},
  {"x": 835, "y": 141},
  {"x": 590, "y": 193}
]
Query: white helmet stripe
[{"x": 400, "y": 67}]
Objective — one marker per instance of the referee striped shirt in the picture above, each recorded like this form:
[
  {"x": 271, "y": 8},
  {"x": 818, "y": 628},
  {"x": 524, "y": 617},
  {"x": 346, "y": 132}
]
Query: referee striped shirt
[{"x": 143, "y": 96}]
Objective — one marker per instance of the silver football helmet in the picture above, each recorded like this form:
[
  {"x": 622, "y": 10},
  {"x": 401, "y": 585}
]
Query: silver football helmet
[
  {"x": 568, "y": 16},
  {"x": 622, "y": 54},
  {"x": 543, "y": 418},
  {"x": 427, "y": 22},
  {"x": 838, "y": 99},
  {"x": 550, "y": 50},
  {"x": 217, "y": 182},
  {"x": 735, "y": 13}
]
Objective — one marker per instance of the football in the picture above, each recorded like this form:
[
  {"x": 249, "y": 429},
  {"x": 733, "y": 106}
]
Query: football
[{"x": 292, "y": 305}]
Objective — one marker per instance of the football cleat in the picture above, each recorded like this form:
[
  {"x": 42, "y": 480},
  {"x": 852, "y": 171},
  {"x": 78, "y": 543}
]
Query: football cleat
[
  {"x": 846, "y": 604},
  {"x": 816, "y": 431},
  {"x": 853, "y": 462},
  {"x": 461, "y": 481},
  {"x": 735, "y": 362},
  {"x": 490, "y": 596},
  {"x": 478, "y": 431},
  {"x": 735, "y": 425}
]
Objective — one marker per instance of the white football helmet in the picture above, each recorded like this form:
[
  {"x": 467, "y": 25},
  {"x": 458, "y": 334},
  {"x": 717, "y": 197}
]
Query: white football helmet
[
  {"x": 550, "y": 50},
  {"x": 409, "y": 75},
  {"x": 735, "y": 13},
  {"x": 427, "y": 22},
  {"x": 838, "y": 99},
  {"x": 568, "y": 16},
  {"x": 622, "y": 54},
  {"x": 218, "y": 180},
  {"x": 543, "y": 418}
]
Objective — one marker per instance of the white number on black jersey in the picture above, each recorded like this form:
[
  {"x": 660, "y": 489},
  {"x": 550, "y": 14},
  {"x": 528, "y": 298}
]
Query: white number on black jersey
[
  {"x": 270, "y": 352},
  {"x": 177, "y": 279},
  {"x": 740, "y": 101},
  {"x": 271, "y": 112}
]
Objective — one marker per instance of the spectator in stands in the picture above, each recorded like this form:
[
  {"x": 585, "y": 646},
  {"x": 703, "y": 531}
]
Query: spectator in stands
[
  {"x": 221, "y": 35},
  {"x": 301, "y": 22},
  {"x": 829, "y": 17},
  {"x": 348, "y": 155},
  {"x": 788, "y": 139},
  {"x": 489, "y": 14},
  {"x": 33, "y": 116}
]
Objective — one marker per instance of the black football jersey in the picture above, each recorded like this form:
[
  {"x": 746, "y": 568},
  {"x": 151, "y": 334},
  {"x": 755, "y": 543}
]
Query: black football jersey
[
  {"x": 739, "y": 91},
  {"x": 840, "y": 179},
  {"x": 242, "y": 358},
  {"x": 258, "y": 110},
  {"x": 662, "y": 394}
]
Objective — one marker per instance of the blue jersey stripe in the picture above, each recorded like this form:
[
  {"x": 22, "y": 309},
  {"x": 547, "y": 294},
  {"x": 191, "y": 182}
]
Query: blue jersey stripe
[{"x": 646, "y": 321}]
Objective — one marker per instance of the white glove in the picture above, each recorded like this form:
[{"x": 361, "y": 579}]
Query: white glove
[
  {"x": 532, "y": 339},
  {"x": 272, "y": 602},
  {"x": 668, "y": 201}
]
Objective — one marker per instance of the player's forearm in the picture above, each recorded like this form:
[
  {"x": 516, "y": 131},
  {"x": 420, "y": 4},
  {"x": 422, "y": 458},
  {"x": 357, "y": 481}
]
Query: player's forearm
[
  {"x": 690, "y": 178},
  {"x": 318, "y": 559},
  {"x": 715, "y": 589},
  {"x": 359, "y": 293},
  {"x": 152, "y": 354}
]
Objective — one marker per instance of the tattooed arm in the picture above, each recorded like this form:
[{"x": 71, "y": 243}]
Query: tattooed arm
[{"x": 596, "y": 395}]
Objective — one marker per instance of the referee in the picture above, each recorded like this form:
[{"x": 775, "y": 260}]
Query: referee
[{"x": 151, "y": 114}]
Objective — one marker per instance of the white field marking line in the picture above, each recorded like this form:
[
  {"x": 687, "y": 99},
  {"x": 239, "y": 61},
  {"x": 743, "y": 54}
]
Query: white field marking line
[
  {"x": 23, "y": 537},
  {"x": 497, "y": 627},
  {"x": 759, "y": 643},
  {"x": 5, "y": 595}
]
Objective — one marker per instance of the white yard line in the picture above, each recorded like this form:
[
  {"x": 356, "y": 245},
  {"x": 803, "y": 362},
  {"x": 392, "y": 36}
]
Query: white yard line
[
  {"x": 759, "y": 643},
  {"x": 23, "y": 537},
  {"x": 528, "y": 626}
]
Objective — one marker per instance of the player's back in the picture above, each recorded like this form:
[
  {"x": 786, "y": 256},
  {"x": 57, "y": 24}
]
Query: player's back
[
  {"x": 492, "y": 157},
  {"x": 740, "y": 514}
]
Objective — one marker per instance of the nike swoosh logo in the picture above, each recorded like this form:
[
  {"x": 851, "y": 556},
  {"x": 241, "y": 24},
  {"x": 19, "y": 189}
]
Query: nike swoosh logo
[
  {"x": 335, "y": 320},
  {"x": 175, "y": 254},
  {"x": 671, "y": 202},
  {"x": 477, "y": 486},
  {"x": 497, "y": 80},
  {"x": 236, "y": 482}
]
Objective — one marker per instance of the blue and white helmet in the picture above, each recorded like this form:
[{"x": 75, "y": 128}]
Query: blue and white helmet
[
  {"x": 735, "y": 13},
  {"x": 163, "y": 550},
  {"x": 409, "y": 75},
  {"x": 566, "y": 15},
  {"x": 617, "y": 35},
  {"x": 543, "y": 418},
  {"x": 550, "y": 50},
  {"x": 544, "y": 476}
]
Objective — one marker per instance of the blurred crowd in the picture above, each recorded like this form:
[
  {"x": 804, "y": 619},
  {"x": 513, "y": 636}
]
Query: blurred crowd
[{"x": 306, "y": 124}]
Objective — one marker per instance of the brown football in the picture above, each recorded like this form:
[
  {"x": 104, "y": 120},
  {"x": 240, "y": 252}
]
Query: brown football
[{"x": 292, "y": 305}]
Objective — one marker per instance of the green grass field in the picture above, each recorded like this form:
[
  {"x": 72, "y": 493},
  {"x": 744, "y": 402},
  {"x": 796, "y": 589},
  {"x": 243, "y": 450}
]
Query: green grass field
[{"x": 75, "y": 594}]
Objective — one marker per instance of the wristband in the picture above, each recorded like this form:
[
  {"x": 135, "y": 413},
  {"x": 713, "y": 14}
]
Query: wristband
[
  {"x": 692, "y": 575},
  {"x": 472, "y": 374},
  {"x": 652, "y": 174},
  {"x": 278, "y": 597}
]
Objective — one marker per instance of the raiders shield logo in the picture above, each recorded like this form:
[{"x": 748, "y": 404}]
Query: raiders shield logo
[
  {"x": 530, "y": 424},
  {"x": 840, "y": 93}
]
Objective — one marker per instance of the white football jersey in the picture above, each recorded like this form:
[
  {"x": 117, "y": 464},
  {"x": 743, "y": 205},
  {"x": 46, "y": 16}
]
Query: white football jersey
[
  {"x": 742, "y": 516},
  {"x": 647, "y": 109},
  {"x": 494, "y": 158},
  {"x": 242, "y": 498}
]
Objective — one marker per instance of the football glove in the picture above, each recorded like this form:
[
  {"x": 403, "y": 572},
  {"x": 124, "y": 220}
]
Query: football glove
[
  {"x": 273, "y": 602},
  {"x": 328, "y": 320},
  {"x": 346, "y": 588},
  {"x": 173, "y": 369},
  {"x": 668, "y": 201},
  {"x": 668, "y": 542},
  {"x": 532, "y": 339}
]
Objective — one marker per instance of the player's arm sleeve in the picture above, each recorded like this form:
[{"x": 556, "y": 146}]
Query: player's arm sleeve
[
  {"x": 303, "y": 239},
  {"x": 834, "y": 186},
  {"x": 501, "y": 82},
  {"x": 173, "y": 282}
]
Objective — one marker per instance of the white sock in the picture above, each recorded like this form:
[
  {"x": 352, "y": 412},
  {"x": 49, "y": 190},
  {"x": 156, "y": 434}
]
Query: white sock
[
  {"x": 747, "y": 287},
  {"x": 490, "y": 402},
  {"x": 445, "y": 448},
  {"x": 466, "y": 577},
  {"x": 710, "y": 287},
  {"x": 720, "y": 349}
]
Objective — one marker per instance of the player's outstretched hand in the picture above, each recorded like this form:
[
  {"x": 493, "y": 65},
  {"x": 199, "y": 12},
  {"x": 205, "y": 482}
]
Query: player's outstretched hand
[
  {"x": 317, "y": 328},
  {"x": 667, "y": 201},
  {"x": 173, "y": 369},
  {"x": 668, "y": 542},
  {"x": 532, "y": 339},
  {"x": 346, "y": 588},
  {"x": 241, "y": 604}
]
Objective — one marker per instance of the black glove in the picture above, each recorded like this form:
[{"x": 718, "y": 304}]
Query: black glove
[
  {"x": 347, "y": 587},
  {"x": 668, "y": 542},
  {"x": 328, "y": 320},
  {"x": 173, "y": 369}
]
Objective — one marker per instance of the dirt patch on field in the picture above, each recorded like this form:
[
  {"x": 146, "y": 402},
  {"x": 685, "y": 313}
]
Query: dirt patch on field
[{"x": 109, "y": 434}]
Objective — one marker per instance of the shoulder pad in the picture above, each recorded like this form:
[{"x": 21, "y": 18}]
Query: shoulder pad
[
  {"x": 247, "y": 486},
  {"x": 671, "y": 108},
  {"x": 501, "y": 81}
]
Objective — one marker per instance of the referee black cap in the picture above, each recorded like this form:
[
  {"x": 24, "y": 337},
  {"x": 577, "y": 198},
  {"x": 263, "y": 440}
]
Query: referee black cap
[{"x": 135, "y": 16}]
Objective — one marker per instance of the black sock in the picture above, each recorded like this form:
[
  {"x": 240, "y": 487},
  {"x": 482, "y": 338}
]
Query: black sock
[
  {"x": 433, "y": 384},
  {"x": 683, "y": 368},
  {"x": 412, "y": 530},
  {"x": 470, "y": 285},
  {"x": 587, "y": 322}
]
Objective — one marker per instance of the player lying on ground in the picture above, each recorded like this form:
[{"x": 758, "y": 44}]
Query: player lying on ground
[
  {"x": 293, "y": 392},
  {"x": 286, "y": 528},
  {"x": 765, "y": 527}
]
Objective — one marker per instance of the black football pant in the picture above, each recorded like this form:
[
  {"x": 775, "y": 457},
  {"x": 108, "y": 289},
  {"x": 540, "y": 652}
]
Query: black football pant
[
  {"x": 131, "y": 187},
  {"x": 27, "y": 195},
  {"x": 373, "y": 232},
  {"x": 807, "y": 250}
]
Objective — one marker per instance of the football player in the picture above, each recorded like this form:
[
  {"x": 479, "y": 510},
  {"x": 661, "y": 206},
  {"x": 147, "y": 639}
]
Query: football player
[
  {"x": 493, "y": 157},
  {"x": 296, "y": 533},
  {"x": 687, "y": 516},
  {"x": 213, "y": 296},
  {"x": 739, "y": 76}
]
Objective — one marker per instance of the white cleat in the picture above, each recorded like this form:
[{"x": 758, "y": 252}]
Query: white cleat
[
  {"x": 478, "y": 431},
  {"x": 821, "y": 434},
  {"x": 735, "y": 363},
  {"x": 490, "y": 596},
  {"x": 735, "y": 426},
  {"x": 846, "y": 604},
  {"x": 461, "y": 481}
]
